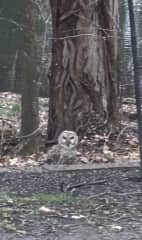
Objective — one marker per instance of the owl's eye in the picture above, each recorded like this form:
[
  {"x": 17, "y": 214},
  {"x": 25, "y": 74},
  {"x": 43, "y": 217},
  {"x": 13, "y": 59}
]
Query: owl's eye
[
  {"x": 64, "y": 139},
  {"x": 72, "y": 137}
]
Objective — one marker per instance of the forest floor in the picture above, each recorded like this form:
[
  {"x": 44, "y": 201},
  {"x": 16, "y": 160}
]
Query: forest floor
[
  {"x": 102, "y": 204},
  {"x": 38, "y": 201},
  {"x": 97, "y": 146}
]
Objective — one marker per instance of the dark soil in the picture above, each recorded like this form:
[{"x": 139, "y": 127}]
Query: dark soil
[{"x": 84, "y": 204}]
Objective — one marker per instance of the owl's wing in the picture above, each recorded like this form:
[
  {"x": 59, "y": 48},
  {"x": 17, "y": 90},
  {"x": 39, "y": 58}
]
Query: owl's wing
[{"x": 53, "y": 154}]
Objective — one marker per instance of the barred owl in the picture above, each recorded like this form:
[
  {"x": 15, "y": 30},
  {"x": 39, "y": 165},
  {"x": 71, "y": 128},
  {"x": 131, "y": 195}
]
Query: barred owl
[
  {"x": 65, "y": 152},
  {"x": 67, "y": 142}
]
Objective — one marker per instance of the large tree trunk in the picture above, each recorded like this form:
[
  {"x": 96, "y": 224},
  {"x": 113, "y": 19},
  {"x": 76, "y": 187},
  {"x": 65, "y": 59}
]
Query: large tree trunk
[{"x": 83, "y": 62}]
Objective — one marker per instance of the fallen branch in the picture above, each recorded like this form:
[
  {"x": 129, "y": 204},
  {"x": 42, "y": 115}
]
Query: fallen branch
[{"x": 71, "y": 188}]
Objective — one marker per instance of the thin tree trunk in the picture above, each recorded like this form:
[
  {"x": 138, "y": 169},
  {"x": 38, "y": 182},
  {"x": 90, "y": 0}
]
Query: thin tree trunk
[
  {"x": 84, "y": 59},
  {"x": 28, "y": 56}
]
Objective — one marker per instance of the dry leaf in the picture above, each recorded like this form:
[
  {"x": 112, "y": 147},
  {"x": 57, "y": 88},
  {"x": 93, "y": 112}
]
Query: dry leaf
[
  {"x": 46, "y": 210},
  {"x": 84, "y": 160}
]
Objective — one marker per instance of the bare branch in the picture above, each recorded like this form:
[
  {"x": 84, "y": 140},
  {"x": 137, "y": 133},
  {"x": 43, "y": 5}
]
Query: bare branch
[{"x": 10, "y": 20}]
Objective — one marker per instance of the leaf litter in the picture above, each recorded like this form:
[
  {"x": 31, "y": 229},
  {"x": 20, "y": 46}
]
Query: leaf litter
[{"x": 95, "y": 147}]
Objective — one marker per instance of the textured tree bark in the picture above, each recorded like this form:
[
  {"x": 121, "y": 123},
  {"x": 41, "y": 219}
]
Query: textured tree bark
[
  {"x": 30, "y": 117},
  {"x": 84, "y": 57}
]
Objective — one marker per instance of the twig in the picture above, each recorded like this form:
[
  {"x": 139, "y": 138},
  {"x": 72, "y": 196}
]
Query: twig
[
  {"x": 35, "y": 132},
  {"x": 10, "y": 20},
  {"x": 97, "y": 195},
  {"x": 6, "y": 119},
  {"x": 126, "y": 193},
  {"x": 106, "y": 140},
  {"x": 121, "y": 132},
  {"x": 2, "y": 138}
]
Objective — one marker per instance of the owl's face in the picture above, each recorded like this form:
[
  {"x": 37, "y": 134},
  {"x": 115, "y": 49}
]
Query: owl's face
[{"x": 68, "y": 140}]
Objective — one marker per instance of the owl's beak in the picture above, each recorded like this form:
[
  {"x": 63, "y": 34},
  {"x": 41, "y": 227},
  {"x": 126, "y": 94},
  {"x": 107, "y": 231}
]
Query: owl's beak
[{"x": 68, "y": 142}]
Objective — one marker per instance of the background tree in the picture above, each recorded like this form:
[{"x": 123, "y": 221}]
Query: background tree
[
  {"x": 10, "y": 32},
  {"x": 138, "y": 10},
  {"x": 28, "y": 56},
  {"x": 84, "y": 58}
]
